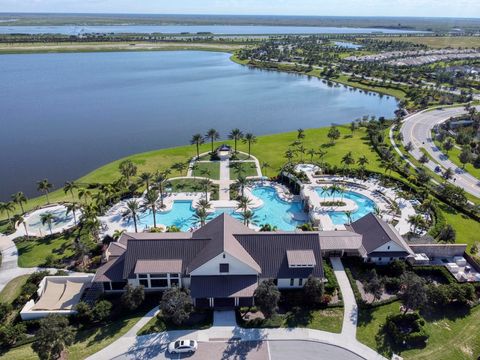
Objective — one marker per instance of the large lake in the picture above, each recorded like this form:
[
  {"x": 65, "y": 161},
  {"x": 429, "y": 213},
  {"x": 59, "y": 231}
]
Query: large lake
[
  {"x": 193, "y": 29},
  {"x": 63, "y": 115}
]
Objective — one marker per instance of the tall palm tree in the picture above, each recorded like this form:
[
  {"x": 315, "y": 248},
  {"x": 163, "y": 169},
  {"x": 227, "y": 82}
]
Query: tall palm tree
[
  {"x": 204, "y": 204},
  {"x": 19, "y": 198},
  {"x": 325, "y": 190},
  {"x": 197, "y": 140},
  {"x": 213, "y": 135},
  {"x": 206, "y": 183},
  {"x": 301, "y": 150},
  {"x": 321, "y": 154},
  {"x": 349, "y": 215},
  {"x": 151, "y": 203},
  {"x": 416, "y": 221},
  {"x": 69, "y": 187},
  {"x": 145, "y": 178},
  {"x": 238, "y": 168},
  {"x": 45, "y": 187},
  {"x": 7, "y": 207},
  {"x": 243, "y": 203},
  {"x": 19, "y": 219},
  {"x": 265, "y": 165},
  {"x": 160, "y": 178},
  {"x": 248, "y": 217},
  {"x": 131, "y": 212},
  {"x": 201, "y": 216},
  {"x": 249, "y": 139},
  {"x": 300, "y": 134},
  {"x": 128, "y": 169},
  {"x": 334, "y": 189},
  {"x": 84, "y": 194},
  {"x": 241, "y": 183},
  {"x": 72, "y": 208},
  {"x": 47, "y": 218},
  {"x": 235, "y": 135},
  {"x": 347, "y": 160}
]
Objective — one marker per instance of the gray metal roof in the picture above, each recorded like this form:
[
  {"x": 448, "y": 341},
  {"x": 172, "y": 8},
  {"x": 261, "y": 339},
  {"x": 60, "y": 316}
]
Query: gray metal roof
[
  {"x": 376, "y": 232},
  {"x": 112, "y": 270},
  {"x": 158, "y": 266},
  {"x": 301, "y": 258},
  {"x": 223, "y": 286},
  {"x": 340, "y": 240}
]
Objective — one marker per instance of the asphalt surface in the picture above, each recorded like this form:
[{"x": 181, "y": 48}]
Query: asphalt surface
[
  {"x": 266, "y": 350},
  {"x": 417, "y": 130}
]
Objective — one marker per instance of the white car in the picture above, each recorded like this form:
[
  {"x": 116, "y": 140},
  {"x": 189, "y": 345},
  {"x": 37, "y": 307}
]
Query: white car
[{"x": 182, "y": 346}]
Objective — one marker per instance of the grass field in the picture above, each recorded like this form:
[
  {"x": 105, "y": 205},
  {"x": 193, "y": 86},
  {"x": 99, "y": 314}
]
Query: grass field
[
  {"x": 21, "y": 48},
  {"x": 13, "y": 289},
  {"x": 213, "y": 169},
  {"x": 440, "y": 41},
  {"x": 453, "y": 335},
  {"x": 453, "y": 157},
  {"x": 249, "y": 169},
  {"x": 34, "y": 252}
]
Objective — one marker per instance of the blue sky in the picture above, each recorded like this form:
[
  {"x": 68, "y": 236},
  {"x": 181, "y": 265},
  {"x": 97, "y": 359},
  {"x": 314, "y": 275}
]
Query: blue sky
[{"x": 448, "y": 8}]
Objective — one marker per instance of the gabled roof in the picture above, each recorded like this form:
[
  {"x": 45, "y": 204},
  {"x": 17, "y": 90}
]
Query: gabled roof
[
  {"x": 301, "y": 258},
  {"x": 158, "y": 266},
  {"x": 377, "y": 232},
  {"x": 116, "y": 249},
  {"x": 222, "y": 232},
  {"x": 340, "y": 240},
  {"x": 112, "y": 270}
]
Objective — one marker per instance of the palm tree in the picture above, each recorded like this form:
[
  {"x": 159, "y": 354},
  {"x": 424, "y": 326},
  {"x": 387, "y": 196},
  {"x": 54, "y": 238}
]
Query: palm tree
[
  {"x": 160, "y": 178},
  {"x": 19, "y": 198},
  {"x": 201, "y": 216},
  {"x": 206, "y": 183},
  {"x": 44, "y": 186},
  {"x": 213, "y": 135},
  {"x": 301, "y": 150},
  {"x": 204, "y": 204},
  {"x": 151, "y": 203},
  {"x": 416, "y": 221},
  {"x": 117, "y": 233},
  {"x": 243, "y": 203},
  {"x": 334, "y": 189},
  {"x": 249, "y": 139},
  {"x": 84, "y": 194},
  {"x": 324, "y": 191},
  {"x": 131, "y": 212},
  {"x": 235, "y": 135},
  {"x": 349, "y": 216},
  {"x": 180, "y": 167},
  {"x": 347, "y": 160},
  {"x": 321, "y": 154},
  {"x": 73, "y": 208},
  {"x": 248, "y": 217},
  {"x": 47, "y": 218},
  {"x": 300, "y": 134},
  {"x": 127, "y": 169},
  {"x": 289, "y": 155},
  {"x": 312, "y": 153},
  {"x": 362, "y": 161},
  {"x": 18, "y": 219},
  {"x": 7, "y": 207},
  {"x": 447, "y": 174},
  {"x": 197, "y": 140},
  {"x": 265, "y": 165},
  {"x": 241, "y": 183},
  {"x": 145, "y": 178},
  {"x": 69, "y": 187}
]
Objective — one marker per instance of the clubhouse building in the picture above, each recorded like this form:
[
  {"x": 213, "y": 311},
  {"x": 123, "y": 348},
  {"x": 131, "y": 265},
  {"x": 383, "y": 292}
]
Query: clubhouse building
[{"x": 223, "y": 262}]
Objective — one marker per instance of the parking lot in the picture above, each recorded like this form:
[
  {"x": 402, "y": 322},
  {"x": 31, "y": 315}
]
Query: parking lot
[{"x": 271, "y": 350}]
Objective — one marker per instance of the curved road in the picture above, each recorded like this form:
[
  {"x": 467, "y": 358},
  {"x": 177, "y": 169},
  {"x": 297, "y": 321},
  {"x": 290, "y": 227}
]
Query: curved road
[{"x": 417, "y": 129}]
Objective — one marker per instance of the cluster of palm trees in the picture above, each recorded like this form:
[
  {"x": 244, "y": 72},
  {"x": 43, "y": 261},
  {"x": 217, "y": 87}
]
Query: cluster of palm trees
[
  {"x": 213, "y": 135},
  {"x": 8, "y": 208},
  {"x": 243, "y": 204}
]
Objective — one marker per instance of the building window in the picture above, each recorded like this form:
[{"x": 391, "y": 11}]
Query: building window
[
  {"x": 143, "y": 276},
  {"x": 159, "y": 283},
  {"x": 224, "y": 268},
  {"x": 107, "y": 286},
  {"x": 143, "y": 282},
  {"x": 300, "y": 282},
  {"x": 388, "y": 248},
  {"x": 174, "y": 282},
  {"x": 292, "y": 281}
]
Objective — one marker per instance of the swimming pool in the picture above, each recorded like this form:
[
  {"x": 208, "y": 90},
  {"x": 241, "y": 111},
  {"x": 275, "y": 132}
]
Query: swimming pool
[
  {"x": 276, "y": 212},
  {"x": 364, "y": 204},
  {"x": 61, "y": 219}
]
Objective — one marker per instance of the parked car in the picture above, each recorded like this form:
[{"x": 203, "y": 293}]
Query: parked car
[
  {"x": 182, "y": 346},
  {"x": 437, "y": 169}
]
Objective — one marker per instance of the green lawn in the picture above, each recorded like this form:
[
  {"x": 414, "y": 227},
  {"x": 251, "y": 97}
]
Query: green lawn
[
  {"x": 453, "y": 157},
  {"x": 212, "y": 167},
  {"x": 329, "y": 319},
  {"x": 86, "y": 343},
  {"x": 13, "y": 289},
  {"x": 467, "y": 229},
  {"x": 454, "y": 335},
  {"x": 34, "y": 252},
  {"x": 249, "y": 169}
]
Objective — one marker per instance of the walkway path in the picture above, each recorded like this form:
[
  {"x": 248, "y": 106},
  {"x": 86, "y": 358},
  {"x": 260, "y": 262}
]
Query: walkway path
[
  {"x": 350, "y": 316},
  {"x": 417, "y": 130},
  {"x": 224, "y": 183}
]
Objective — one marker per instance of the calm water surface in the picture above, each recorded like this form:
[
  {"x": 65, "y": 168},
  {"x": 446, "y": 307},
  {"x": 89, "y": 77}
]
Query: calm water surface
[
  {"x": 178, "y": 29},
  {"x": 63, "y": 115}
]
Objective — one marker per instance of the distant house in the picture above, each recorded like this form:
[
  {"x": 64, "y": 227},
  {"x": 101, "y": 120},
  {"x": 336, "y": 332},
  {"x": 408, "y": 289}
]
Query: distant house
[{"x": 223, "y": 262}]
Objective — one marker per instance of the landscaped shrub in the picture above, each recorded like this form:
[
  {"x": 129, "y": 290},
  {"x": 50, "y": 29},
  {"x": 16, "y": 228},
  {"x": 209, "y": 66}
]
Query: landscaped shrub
[
  {"x": 133, "y": 296},
  {"x": 406, "y": 330},
  {"x": 4, "y": 311},
  {"x": 10, "y": 334},
  {"x": 392, "y": 284}
]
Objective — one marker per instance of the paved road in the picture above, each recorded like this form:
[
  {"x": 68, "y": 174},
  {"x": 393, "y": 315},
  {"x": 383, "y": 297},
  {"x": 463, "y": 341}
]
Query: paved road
[
  {"x": 417, "y": 130},
  {"x": 250, "y": 350}
]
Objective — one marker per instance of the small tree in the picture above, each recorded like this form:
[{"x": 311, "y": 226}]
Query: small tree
[
  {"x": 374, "y": 285},
  {"x": 424, "y": 159},
  {"x": 447, "y": 234},
  {"x": 313, "y": 290},
  {"x": 333, "y": 134},
  {"x": 83, "y": 313},
  {"x": 101, "y": 311},
  {"x": 176, "y": 305},
  {"x": 10, "y": 334},
  {"x": 133, "y": 296},
  {"x": 266, "y": 298},
  {"x": 414, "y": 294},
  {"x": 53, "y": 336},
  {"x": 465, "y": 157}
]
